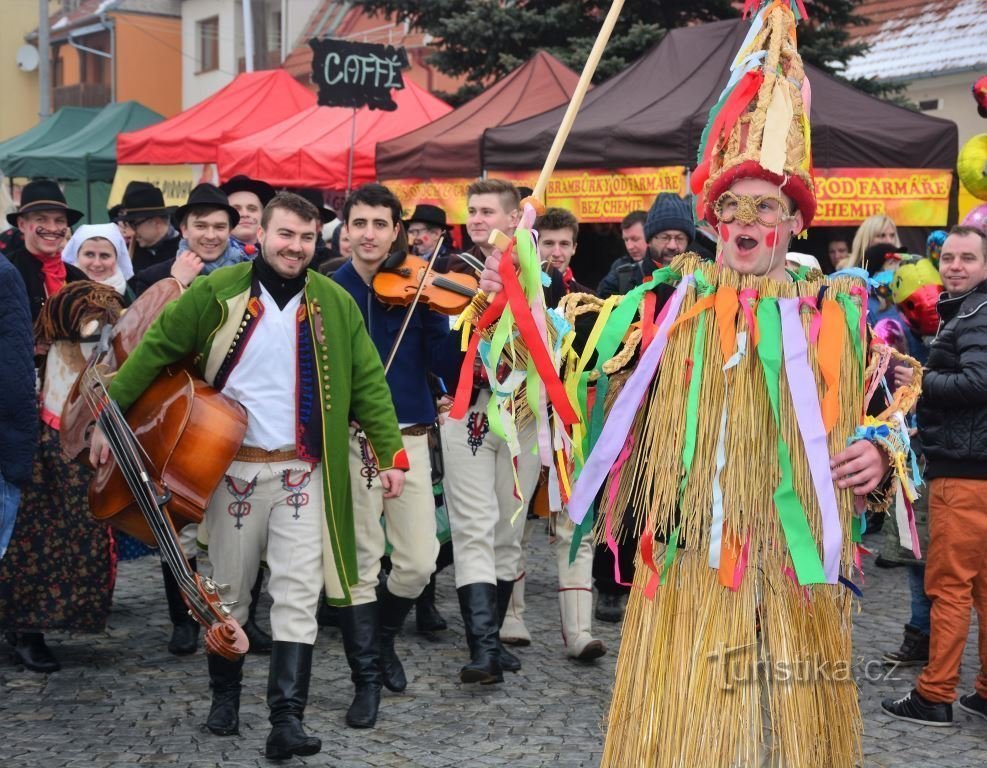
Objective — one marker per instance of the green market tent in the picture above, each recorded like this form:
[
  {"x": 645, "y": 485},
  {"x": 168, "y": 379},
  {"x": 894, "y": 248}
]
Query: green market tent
[
  {"x": 66, "y": 122},
  {"x": 87, "y": 160},
  {"x": 89, "y": 154}
]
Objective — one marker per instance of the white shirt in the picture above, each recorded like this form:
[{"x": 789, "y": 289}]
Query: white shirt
[{"x": 264, "y": 381}]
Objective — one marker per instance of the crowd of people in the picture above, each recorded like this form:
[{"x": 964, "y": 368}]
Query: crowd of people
[{"x": 291, "y": 344}]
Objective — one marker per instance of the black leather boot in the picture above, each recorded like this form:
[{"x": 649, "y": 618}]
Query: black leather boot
[
  {"x": 360, "y": 625},
  {"x": 185, "y": 631},
  {"x": 31, "y": 652},
  {"x": 508, "y": 661},
  {"x": 427, "y": 616},
  {"x": 478, "y": 603},
  {"x": 287, "y": 695},
  {"x": 260, "y": 641},
  {"x": 914, "y": 649},
  {"x": 393, "y": 611},
  {"x": 224, "y": 679}
]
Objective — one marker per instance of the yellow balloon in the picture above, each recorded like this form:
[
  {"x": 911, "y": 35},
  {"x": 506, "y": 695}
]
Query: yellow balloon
[{"x": 971, "y": 166}]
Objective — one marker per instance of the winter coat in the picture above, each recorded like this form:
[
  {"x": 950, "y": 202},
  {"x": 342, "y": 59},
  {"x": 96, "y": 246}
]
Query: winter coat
[{"x": 952, "y": 412}]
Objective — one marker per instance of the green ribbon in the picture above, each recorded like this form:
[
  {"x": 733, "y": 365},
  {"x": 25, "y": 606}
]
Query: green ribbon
[
  {"x": 805, "y": 555},
  {"x": 851, "y": 311},
  {"x": 670, "y": 550}
]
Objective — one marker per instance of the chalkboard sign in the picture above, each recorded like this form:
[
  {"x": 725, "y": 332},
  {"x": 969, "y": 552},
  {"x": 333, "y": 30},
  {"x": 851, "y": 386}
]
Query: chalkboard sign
[{"x": 357, "y": 74}]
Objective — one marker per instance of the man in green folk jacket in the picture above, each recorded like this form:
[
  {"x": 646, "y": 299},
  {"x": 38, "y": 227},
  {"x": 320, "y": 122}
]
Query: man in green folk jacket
[{"x": 291, "y": 347}]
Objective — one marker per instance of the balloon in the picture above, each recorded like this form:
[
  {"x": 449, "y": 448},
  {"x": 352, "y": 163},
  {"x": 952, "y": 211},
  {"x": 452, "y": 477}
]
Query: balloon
[
  {"x": 915, "y": 289},
  {"x": 971, "y": 166},
  {"x": 977, "y": 217},
  {"x": 933, "y": 245}
]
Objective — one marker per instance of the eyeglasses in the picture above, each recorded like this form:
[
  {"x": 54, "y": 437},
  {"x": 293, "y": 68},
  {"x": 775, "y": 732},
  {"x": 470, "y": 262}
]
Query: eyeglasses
[
  {"x": 669, "y": 239},
  {"x": 418, "y": 231},
  {"x": 767, "y": 210}
]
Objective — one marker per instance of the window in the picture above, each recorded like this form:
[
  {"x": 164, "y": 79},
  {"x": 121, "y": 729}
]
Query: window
[
  {"x": 930, "y": 105},
  {"x": 207, "y": 43},
  {"x": 274, "y": 34}
]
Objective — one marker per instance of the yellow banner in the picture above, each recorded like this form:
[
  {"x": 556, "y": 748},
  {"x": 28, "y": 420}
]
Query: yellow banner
[
  {"x": 592, "y": 196},
  {"x": 911, "y": 197},
  {"x": 174, "y": 181}
]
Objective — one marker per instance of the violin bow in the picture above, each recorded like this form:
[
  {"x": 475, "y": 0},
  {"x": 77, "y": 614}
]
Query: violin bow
[{"x": 411, "y": 308}]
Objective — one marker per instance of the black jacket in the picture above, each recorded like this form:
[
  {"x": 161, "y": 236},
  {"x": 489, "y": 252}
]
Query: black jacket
[
  {"x": 952, "y": 412},
  {"x": 19, "y": 404},
  {"x": 34, "y": 279}
]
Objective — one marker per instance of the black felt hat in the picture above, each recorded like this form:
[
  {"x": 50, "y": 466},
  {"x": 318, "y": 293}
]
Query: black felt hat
[
  {"x": 142, "y": 200},
  {"x": 208, "y": 196},
  {"x": 314, "y": 196},
  {"x": 44, "y": 195},
  {"x": 428, "y": 214},
  {"x": 241, "y": 183}
]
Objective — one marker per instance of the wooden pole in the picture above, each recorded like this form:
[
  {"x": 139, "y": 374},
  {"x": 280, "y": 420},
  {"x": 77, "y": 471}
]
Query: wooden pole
[{"x": 577, "y": 99}]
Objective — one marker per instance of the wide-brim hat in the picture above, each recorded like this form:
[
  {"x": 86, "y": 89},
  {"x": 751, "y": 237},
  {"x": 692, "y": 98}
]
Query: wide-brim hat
[
  {"x": 43, "y": 195},
  {"x": 241, "y": 183},
  {"x": 142, "y": 200},
  {"x": 207, "y": 196},
  {"x": 428, "y": 214},
  {"x": 314, "y": 196}
]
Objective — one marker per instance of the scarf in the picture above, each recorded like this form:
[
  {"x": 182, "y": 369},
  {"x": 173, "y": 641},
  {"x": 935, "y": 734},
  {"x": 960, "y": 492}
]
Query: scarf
[
  {"x": 232, "y": 255},
  {"x": 53, "y": 269},
  {"x": 116, "y": 281},
  {"x": 282, "y": 290},
  {"x": 567, "y": 278}
]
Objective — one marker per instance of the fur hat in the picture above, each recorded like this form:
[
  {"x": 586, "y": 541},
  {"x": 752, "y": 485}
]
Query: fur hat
[{"x": 759, "y": 127}]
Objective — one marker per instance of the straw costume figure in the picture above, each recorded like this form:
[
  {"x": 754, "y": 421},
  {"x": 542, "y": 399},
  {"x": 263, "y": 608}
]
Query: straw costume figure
[{"x": 727, "y": 403}]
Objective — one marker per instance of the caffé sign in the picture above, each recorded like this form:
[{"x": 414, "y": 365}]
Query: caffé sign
[{"x": 351, "y": 74}]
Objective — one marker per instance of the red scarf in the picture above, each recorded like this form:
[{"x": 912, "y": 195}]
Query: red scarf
[
  {"x": 567, "y": 278},
  {"x": 54, "y": 271}
]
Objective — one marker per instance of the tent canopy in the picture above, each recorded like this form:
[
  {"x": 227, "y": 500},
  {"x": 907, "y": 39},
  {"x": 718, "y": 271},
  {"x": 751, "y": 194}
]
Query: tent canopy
[
  {"x": 252, "y": 102},
  {"x": 88, "y": 154},
  {"x": 312, "y": 149},
  {"x": 64, "y": 123},
  {"x": 653, "y": 114},
  {"x": 450, "y": 146}
]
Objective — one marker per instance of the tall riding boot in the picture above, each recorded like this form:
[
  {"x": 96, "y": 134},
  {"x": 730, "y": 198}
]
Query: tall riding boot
[
  {"x": 260, "y": 641},
  {"x": 508, "y": 661},
  {"x": 478, "y": 603},
  {"x": 287, "y": 695},
  {"x": 512, "y": 629},
  {"x": 393, "y": 610},
  {"x": 224, "y": 679},
  {"x": 576, "y": 606},
  {"x": 360, "y": 625},
  {"x": 427, "y": 616},
  {"x": 185, "y": 631}
]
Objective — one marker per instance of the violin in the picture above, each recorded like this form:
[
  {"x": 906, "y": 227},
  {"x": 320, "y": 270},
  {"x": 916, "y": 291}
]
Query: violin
[{"x": 447, "y": 294}]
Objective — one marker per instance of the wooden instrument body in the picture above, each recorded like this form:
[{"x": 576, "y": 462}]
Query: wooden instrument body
[
  {"x": 190, "y": 432},
  {"x": 448, "y": 294}
]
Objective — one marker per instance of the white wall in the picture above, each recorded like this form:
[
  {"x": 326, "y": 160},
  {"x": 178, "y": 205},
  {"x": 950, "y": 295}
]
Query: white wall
[
  {"x": 296, "y": 14},
  {"x": 955, "y": 93},
  {"x": 196, "y": 87}
]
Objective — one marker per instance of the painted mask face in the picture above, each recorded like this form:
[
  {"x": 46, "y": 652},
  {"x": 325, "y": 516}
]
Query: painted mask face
[{"x": 915, "y": 290}]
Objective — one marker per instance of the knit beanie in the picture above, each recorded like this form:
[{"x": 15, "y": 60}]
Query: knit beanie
[{"x": 669, "y": 211}]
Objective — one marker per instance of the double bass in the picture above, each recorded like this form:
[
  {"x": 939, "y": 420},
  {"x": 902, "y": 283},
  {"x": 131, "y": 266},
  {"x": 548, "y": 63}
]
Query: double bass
[{"x": 168, "y": 455}]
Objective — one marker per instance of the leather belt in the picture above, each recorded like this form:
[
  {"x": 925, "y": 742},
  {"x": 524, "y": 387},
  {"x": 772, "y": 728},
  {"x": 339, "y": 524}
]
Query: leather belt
[
  {"x": 254, "y": 455},
  {"x": 415, "y": 430}
]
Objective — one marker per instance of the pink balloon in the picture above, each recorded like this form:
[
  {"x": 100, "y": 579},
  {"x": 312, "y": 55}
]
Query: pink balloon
[{"x": 977, "y": 217}]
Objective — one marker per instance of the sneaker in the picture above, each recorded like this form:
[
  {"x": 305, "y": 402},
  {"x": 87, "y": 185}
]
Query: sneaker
[
  {"x": 914, "y": 649},
  {"x": 913, "y": 708},
  {"x": 610, "y": 607},
  {"x": 973, "y": 703}
]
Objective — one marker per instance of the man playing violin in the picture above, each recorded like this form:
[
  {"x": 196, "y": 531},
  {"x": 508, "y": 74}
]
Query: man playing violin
[
  {"x": 291, "y": 347},
  {"x": 374, "y": 615}
]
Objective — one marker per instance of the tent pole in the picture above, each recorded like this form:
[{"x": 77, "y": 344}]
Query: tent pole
[{"x": 349, "y": 168}]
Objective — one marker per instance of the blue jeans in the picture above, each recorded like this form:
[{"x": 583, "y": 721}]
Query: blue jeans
[
  {"x": 10, "y": 498},
  {"x": 921, "y": 604}
]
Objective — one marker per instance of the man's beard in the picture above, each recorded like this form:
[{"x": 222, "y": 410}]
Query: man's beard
[{"x": 665, "y": 255}]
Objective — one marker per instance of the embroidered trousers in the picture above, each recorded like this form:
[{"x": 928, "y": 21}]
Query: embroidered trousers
[
  {"x": 271, "y": 512},
  {"x": 409, "y": 521},
  {"x": 480, "y": 497}
]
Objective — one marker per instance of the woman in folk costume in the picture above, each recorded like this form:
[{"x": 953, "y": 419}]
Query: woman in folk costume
[
  {"x": 740, "y": 435},
  {"x": 100, "y": 251}
]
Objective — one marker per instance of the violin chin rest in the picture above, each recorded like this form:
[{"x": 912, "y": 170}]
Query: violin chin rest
[{"x": 227, "y": 639}]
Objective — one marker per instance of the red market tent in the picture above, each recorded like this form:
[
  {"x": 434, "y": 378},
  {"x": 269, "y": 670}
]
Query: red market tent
[
  {"x": 312, "y": 149},
  {"x": 252, "y": 102},
  {"x": 451, "y": 146}
]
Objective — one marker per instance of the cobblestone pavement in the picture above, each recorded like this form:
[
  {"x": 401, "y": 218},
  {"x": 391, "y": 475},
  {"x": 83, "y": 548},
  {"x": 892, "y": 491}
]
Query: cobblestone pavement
[{"x": 122, "y": 700}]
